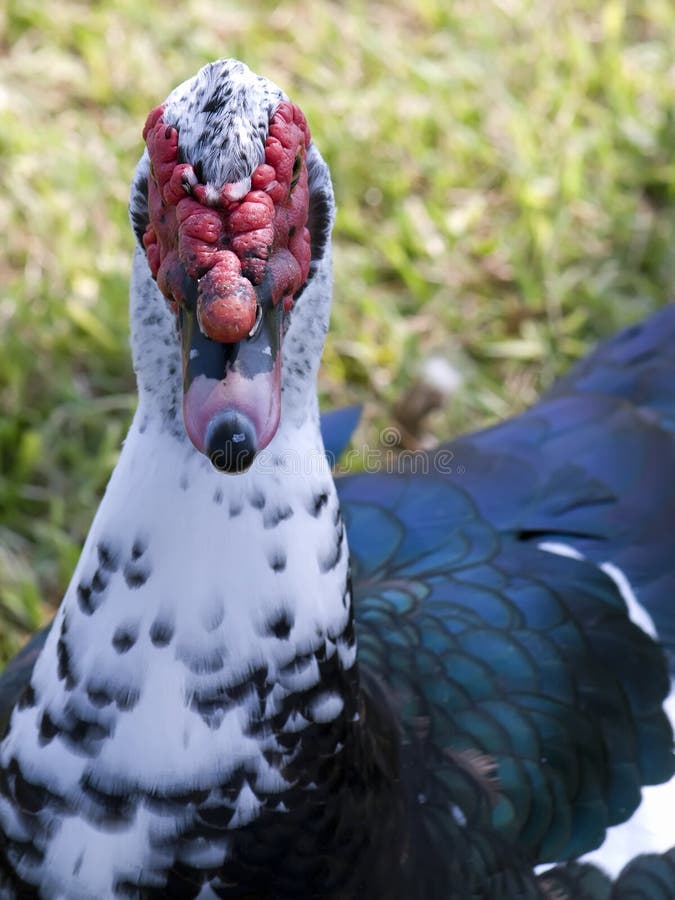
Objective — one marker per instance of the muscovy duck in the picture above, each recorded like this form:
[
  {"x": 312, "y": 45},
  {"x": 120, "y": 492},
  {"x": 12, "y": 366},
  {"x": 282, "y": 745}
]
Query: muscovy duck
[{"x": 198, "y": 721}]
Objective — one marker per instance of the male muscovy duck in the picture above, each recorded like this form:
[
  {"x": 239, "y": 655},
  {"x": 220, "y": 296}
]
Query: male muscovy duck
[{"x": 198, "y": 721}]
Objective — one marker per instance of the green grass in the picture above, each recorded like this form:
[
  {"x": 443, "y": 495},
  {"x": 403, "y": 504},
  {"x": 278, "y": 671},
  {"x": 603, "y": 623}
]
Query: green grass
[{"x": 506, "y": 188}]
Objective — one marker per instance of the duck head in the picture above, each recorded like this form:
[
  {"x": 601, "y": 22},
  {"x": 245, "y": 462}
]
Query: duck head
[{"x": 232, "y": 206}]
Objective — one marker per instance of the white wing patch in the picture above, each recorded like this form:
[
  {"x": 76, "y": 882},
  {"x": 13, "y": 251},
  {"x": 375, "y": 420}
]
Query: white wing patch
[
  {"x": 636, "y": 611},
  {"x": 559, "y": 549},
  {"x": 638, "y": 614}
]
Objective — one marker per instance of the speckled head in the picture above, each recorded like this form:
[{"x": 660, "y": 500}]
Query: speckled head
[{"x": 224, "y": 227}]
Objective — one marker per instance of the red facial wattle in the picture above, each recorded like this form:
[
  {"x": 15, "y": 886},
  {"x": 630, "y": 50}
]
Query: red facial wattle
[{"x": 231, "y": 257}]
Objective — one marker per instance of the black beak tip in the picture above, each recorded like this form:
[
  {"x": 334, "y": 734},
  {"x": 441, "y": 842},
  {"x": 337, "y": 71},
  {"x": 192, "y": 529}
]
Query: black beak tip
[{"x": 231, "y": 442}]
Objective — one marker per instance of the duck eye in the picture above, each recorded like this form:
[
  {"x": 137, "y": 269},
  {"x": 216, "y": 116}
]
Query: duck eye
[{"x": 297, "y": 169}]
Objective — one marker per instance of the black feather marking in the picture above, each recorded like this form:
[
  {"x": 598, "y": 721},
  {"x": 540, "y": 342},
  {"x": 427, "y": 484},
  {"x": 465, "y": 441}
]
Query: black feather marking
[
  {"x": 272, "y": 517},
  {"x": 203, "y": 663},
  {"x": 237, "y": 692},
  {"x": 29, "y": 797},
  {"x": 333, "y": 557},
  {"x": 216, "y": 816},
  {"x": 28, "y": 698},
  {"x": 48, "y": 730},
  {"x": 107, "y": 808},
  {"x": 318, "y": 503},
  {"x": 280, "y": 626},
  {"x": 98, "y": 697},
  {"x": 257, "y": 499},
  {"x": 259, "y": 678},
  {"x": 161, "y": 632},
  {"x": 63, "y": 654},
  {"x": 138, "y": 548},
  {"x": 124, "y": 638},
  {"x": 108, "y": 559},
  {"x": 139, "y": 208},
  {"x": 277, "y": 560},
  {"x": 84, "y": 732},
  {"x": 136, "y": 575},
  {"x": 100, "y": 580},
  {"x": 127, "y": 698},
  {"x": 209, "y": 701},
  {"x": 347, "y": 593},
  {"x": 85, "y": 601}
]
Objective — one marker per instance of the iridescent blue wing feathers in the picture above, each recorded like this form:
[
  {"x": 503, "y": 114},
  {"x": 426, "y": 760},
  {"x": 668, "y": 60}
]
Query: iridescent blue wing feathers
[
  {"x": 16, "y": 675},
  {"x": 337, "y": 427},
  {"x": 591, "y": 466},
  {"x": 517, "y": 673}
]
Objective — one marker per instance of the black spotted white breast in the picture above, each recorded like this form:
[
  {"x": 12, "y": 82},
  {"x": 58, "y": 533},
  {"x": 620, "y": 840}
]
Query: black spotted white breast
[{"x": 205, "y": 643}]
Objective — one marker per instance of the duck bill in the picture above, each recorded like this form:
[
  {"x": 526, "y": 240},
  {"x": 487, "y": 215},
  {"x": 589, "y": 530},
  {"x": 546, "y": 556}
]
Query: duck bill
[{"x": 232, "y": 392}]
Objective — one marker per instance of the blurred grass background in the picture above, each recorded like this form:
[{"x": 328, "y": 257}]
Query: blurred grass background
[{"x": 506, "y": 188}]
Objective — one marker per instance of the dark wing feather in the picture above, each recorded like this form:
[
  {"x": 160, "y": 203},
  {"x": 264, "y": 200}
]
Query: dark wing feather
[
  {"x": 16, "y": 676},
  {"x": 647, "y": 877},
  {"x": 635, "y": 365},
  {"x": 592, "y": 466},
  {"x": 337, "y": 427},
  {"x": 529, "y": 704}
]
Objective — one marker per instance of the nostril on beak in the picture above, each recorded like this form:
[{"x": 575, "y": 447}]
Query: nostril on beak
[{"x": 231, "y": 442}]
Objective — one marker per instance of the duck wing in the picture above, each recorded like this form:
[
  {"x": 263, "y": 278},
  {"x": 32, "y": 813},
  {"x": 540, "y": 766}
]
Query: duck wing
[{"x": 529, "y": 702}]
